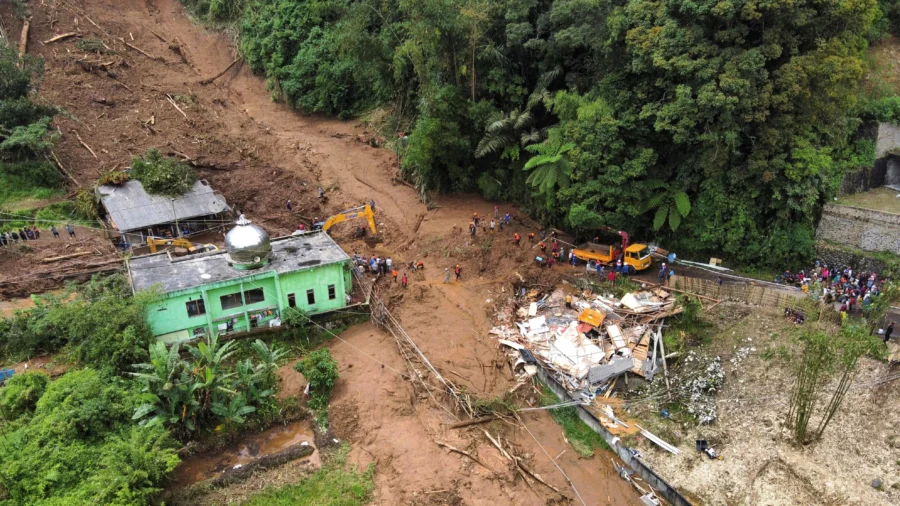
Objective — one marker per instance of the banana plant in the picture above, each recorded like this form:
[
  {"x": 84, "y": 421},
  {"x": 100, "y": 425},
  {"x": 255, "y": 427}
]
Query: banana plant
[
  {"x": 268, "y": 361},
  {"x": 233, "y": 412}
]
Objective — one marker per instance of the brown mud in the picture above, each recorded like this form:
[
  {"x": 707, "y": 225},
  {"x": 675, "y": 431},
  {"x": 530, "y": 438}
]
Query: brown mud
[{"x": 264, "y": 154}]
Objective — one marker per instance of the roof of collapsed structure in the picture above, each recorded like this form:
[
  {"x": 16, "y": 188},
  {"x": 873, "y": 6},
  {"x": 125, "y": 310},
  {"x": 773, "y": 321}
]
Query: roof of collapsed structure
[
  {"x": 130, "y": 207},
  {"x": 598, "y": 339}
]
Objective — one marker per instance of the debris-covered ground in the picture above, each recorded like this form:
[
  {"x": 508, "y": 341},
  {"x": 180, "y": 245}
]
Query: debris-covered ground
[
  {"x": 259, "y": 153},
  {"x": 759, "y": 464}
]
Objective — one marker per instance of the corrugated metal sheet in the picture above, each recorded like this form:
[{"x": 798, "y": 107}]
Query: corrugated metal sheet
[{"x": 132, "y": 208}]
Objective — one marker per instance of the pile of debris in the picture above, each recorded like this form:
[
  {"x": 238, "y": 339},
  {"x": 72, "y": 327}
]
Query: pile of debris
[{"x": 585, "y": 341}]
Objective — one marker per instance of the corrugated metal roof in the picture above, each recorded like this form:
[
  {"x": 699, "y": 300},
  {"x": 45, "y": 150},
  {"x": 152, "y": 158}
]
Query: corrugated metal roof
[{"x": 131, "y": 208}]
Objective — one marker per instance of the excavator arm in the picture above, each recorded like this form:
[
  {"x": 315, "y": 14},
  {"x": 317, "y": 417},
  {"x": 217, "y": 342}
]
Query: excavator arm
[
  {"x": 152, "y": 243},
  {"x": 359, "y": 212}
]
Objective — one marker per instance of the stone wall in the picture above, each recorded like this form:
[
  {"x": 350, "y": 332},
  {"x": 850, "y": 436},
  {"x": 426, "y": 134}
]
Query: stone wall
[
  {"x": 864, "y": 179},
  {"x": 887, "y": 163},
  {"x": 842, "y": 257},
  {"x": 860, "y": 228}
]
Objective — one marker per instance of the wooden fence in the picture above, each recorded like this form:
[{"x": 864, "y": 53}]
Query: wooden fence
[{"x": 747, "y": 293}]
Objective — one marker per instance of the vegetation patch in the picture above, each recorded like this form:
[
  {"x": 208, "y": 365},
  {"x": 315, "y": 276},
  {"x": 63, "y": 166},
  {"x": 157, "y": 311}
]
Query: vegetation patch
[
  {"x": 321, "y": 371},
  {"x": 80, "y": 446},
  {"x": 582, "y": 438},
  {"x": 162, "y": 175},
  {"x": 333, "y": 485},
  {"x": 99, "y": 323}
]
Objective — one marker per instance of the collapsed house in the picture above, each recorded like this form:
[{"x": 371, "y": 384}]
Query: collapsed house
[
  {"x": 132, "y": 215},
  {"x": 588, "y": 346}
]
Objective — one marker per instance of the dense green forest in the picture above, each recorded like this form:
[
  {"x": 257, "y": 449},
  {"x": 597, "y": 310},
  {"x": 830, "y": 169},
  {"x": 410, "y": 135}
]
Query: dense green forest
[{"x": 712, "y": 126}]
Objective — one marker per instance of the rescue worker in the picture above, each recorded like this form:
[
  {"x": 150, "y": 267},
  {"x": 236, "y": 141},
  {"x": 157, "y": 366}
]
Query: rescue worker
[
  {"x": 568, "y": 301},
  {"x": 446, "y": 275},
  {"x": 404, "y": 280},
  {"x": 542, "y": 246},
  {"x": 516, "y": 239},
  {"x": 457, "y": 271},
  {"x": 531, "y": 237}
]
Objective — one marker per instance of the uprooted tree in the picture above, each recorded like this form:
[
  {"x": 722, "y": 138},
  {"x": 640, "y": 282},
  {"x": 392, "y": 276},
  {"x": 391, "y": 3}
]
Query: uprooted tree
[{"x": 825, "y": 357}]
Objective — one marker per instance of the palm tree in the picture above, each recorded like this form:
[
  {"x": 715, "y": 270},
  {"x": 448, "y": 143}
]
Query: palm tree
[
  {"x": 550, "y": 166},
  {"x": 506, "y": 131},
  {"x": 670, "y": 203}
]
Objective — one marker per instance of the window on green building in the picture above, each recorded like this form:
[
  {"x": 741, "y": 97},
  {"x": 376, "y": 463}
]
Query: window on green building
[
  {"x": 332, "y": 293},
  {"x": 195, "y": 308},
  {"x": 292, "y": 300},
  {"x": 255, "y": 295},
  {"x": 231, "y": 300},
  {"x": 310, "y": 297}
]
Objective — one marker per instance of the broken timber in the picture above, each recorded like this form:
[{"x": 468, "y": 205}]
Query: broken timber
[
  {"x": 65, "y": 257},
  {"x": 220, "y": 74}
]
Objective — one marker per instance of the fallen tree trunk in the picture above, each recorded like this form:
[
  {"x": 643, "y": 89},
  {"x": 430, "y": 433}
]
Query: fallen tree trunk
[
  {"x": 60, "y": 37},
  {"x": 297, "y": 451},
  {"x": 23, "y": 41},
  {"x": 65, "y": 257},
  {"x": 220, "y": 74}
]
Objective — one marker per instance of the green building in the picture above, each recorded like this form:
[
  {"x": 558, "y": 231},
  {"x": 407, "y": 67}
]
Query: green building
[{"x": 244, "y": 288}]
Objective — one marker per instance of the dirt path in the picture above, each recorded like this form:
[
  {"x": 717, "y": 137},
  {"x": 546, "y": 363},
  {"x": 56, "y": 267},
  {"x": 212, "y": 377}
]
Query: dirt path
[{"x": 270, "y": 154}]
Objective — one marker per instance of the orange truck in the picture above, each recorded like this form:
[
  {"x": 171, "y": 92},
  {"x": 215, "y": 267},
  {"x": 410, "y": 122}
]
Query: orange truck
[{"x": 635, "y": 257}]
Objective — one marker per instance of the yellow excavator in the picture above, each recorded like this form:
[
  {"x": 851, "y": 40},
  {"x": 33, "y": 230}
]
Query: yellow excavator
[
  {"x": 350, "y": 214},
  {"x": 153, "y": 242}
]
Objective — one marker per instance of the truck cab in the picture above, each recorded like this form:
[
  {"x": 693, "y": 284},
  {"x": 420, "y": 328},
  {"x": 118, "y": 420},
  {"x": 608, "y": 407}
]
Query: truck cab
[{"x": 637, "y": 256}]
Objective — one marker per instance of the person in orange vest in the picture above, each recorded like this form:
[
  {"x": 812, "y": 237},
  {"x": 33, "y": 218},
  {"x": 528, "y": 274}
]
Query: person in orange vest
[
  {"x": 394, "y": 273},
  {"x": 542, "y": 246},
  {"x": 403, "y": 281},
  {"x": 531, "y": 237},
  {"x": 475, "y": 219},
  {"x": 516, "y": 238}
]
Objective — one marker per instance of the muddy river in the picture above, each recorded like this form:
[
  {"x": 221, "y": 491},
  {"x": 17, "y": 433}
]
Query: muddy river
[{"x": 253, "y": 446}]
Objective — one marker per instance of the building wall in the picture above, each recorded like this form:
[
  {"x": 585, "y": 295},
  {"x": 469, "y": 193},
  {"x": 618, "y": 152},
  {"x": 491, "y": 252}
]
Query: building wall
[
  {"x": 171, "y": 315},
  {"x": 170, "y": 322},
  {"x": 318, "y": 280},
  {"x": 860, "y": 228}
]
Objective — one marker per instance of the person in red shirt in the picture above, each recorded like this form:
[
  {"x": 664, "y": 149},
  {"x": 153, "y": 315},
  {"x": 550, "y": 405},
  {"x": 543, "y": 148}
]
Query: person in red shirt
[
  {"x": 516, "y": 238},
  {"x": 458, "y": 272},
  {"x": 531, "y": 237},
  {"x": 611, "y": 277},
  {"x": 403, "y": 280},
  {"x": 542, "y": 246}
]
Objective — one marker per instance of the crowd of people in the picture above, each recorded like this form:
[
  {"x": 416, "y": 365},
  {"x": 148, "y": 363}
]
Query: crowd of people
[
  {"x": 31, "y": 233},
  {"x": 852, "y": 290}
]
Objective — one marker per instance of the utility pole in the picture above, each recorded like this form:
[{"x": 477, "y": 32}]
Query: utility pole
[{"x": 175, "y": 215}]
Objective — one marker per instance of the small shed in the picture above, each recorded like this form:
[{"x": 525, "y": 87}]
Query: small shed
[{"x": 136, "y": 214}]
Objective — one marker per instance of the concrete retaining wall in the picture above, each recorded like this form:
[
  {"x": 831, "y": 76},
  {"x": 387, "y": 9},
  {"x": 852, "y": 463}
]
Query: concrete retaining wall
[
  {"x": 860, "y": 228},
  {"x": 662, "y": 488}
]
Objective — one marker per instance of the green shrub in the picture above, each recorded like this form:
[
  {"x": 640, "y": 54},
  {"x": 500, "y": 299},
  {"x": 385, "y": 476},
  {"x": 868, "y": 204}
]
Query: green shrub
[
  {"x": 80, "y": 447},
  {"x": 162, "y": 175},
  {"x": 321, "y": 371},
  {"x": 21, "y": 393},
  {"x": 103, "y": 325}
]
